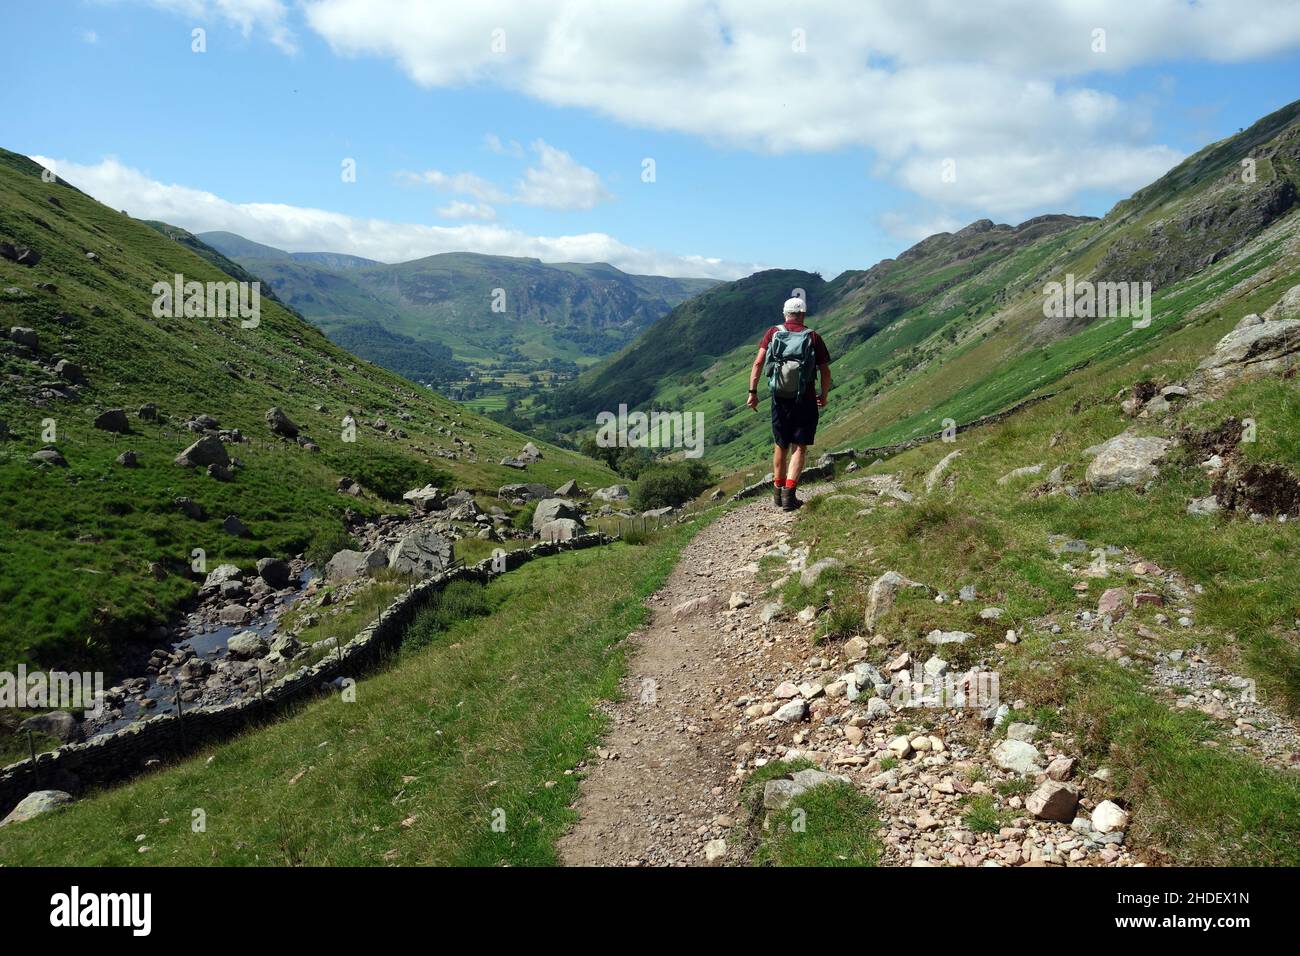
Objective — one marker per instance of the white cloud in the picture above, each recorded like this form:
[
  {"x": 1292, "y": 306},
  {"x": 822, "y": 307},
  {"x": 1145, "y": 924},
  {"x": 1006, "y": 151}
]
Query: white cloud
[
  {"x": 461, "y": 184},
  {"x": 299, "y": 229},
  {"x": 501, "y": 147},
  {"x": 268, "y": 18},
  {"x": 1000, "y": 85},
  {"x": 457, "y": 209},
  {"x": 557, "y": 181},
  {"x": 912, "y": 228},
  {"x": 90, "y": 36}
]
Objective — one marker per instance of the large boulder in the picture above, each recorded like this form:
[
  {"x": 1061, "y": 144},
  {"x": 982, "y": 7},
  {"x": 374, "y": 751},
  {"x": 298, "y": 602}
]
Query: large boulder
[
  {"x": 937, "y": 472},
  {"x": 24, "y": 336},
  {"x": 561, "y": 529},
  {"x": 221, "y": 574},
  {"x": 1287, "y": 307},
  {"x": 464, "y": 509},
  {"x": 420, "y": 553},
  {"x": 612, "y": 493},
  {"x": 190, "y": 508},
  {"x": 779, "y": 792},
  {"x": 235, "y": 614},
  {"x": 56, "y": 723},
  {"x": 1255, "y": 346},
  {"x": 234, "y": 525},
  {"x": 70, "y": 372},
  {"x": 246, "y": 645},
  {"x": 530, "y": 453},
  {"x": 529, "y": 491},
  {"x": 425, "y": 499},
  {"x": 280, "y": 423},
  {"x": 208, "y": 450},
  {"x": 113, "y": 420},
  {"x": 274, "y": 571},
  {"x": 1124, "y": 460},
  {"x": 348, "y": 564},
  {"x": 550, "y": 509},
  {"x": 815, "y": 570},
  {"x": 34, "y": 804},
  {"x": 49, "y": 456}
]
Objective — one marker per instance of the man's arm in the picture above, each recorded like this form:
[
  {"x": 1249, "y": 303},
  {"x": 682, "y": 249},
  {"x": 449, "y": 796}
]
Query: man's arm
[
  {"x": 754, "y": 373},
  {"x": 826, "y": 385}
]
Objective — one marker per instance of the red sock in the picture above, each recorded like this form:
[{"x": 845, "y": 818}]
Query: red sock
[
  {"x": 777, "y": 482},
  {"x": 790, "y": 482}
]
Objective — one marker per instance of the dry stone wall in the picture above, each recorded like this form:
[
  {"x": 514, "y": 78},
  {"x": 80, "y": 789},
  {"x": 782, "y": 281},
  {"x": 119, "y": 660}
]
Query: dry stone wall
[{"x": 115, "y": 757}]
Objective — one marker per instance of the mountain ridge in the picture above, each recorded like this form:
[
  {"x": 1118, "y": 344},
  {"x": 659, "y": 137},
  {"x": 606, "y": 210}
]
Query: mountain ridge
[{"x": 955, "y": 327}]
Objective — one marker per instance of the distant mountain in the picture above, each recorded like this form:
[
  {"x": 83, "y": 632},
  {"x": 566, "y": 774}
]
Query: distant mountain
[
  {"x": 96, "y": 547},
  {"x": 955, "y": 327},
  {"x": 679, "y": 348},
  {"x": 496, "y": 313},
  {"x": 237, "y": 247}
]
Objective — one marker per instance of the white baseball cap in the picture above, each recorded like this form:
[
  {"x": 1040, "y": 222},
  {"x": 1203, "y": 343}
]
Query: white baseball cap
[{"x": 795, "y": 304}]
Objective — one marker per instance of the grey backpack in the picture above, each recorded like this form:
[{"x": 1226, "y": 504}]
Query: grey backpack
[{"x": 791, "y": 362}]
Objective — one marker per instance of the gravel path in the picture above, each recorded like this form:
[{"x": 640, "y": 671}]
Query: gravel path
[
  {"x": 663, "y": 783},
  {"x": 712, "y": 680}
]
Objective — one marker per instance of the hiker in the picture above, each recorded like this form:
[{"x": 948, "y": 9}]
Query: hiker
[{"x": 791, "y": 356}]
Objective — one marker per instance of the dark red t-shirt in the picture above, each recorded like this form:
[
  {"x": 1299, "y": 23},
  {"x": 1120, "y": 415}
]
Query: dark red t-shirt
[{"x": 819, "y": 349}]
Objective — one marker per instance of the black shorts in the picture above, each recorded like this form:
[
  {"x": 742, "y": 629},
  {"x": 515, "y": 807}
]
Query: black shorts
[{"x": 793, "y": 422}]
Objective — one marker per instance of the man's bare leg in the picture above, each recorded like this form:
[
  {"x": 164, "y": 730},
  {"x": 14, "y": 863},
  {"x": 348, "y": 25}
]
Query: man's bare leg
[
  {"x": 778, "y": 473},
  {"x": 795, "y": 468}
]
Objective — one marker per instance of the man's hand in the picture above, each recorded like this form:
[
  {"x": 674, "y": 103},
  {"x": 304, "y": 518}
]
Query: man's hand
[
  {"x": 752, "y": 401},
  {"x": 821, "y": 400}
]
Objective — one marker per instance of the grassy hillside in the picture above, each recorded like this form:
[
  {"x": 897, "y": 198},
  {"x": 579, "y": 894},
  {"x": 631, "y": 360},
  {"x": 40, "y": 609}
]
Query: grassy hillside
[
  {"x": 1197, "y": 787},
  {"x": 570, "y": 313},
  {"x": 464, "y": 729},
  {"x": 77, "y": 543},
  {"x": 955, "y": 326}
]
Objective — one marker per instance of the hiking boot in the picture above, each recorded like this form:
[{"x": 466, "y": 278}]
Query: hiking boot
[
  {"x": 789, "y": 500},
  {"x": 778, "y": 494}
]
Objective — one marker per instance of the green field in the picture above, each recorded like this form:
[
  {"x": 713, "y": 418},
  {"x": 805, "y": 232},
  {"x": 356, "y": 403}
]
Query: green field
[{"x": 470, "y": 725}]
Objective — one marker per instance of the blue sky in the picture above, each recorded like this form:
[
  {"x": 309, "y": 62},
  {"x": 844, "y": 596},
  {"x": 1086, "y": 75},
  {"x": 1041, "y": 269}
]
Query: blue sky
[{"x": 827, "y": 158}]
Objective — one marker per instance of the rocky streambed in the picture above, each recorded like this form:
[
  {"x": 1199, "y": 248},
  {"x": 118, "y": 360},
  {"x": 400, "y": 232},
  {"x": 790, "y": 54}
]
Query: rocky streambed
[{"x": 239, "y": 637}]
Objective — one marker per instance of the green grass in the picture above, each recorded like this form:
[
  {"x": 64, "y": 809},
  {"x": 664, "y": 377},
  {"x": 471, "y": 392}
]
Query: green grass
[
  {"x": 1202, "y": 803},
  {"x": 982, "y": 814},
  {"x": 470, "y": 728},
  {"x": 832, "y": 825}
]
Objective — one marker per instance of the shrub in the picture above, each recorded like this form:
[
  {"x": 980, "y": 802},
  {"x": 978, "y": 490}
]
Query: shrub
[
  {"x": 982, "y": 815},
  {"x": 523, "y": 519},
  {"x": 389, "y": 475},
  {"x": 670, "y": 484},
  {"x": 326, "y": 543}
]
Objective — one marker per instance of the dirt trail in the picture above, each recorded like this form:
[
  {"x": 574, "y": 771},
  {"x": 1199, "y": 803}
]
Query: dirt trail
[
  {"x": 664, "y": 781},
  {"x": 709, "y": 680}
]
